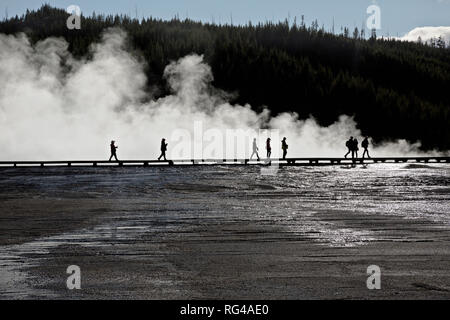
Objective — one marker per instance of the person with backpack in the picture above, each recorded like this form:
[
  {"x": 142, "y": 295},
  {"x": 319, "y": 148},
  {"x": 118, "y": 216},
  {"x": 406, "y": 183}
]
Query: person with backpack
[
  {"x": 349, "y": 144},
  {"x": 365, "y": 145}
]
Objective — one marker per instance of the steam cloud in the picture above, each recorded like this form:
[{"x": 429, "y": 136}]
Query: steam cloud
[{"x": 53, "y": 106}]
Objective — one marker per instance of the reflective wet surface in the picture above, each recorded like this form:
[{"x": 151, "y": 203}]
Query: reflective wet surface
[{"x": 158, "y": 215}]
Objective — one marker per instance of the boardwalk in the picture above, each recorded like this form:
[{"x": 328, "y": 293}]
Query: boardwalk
[{"x": 280, "y": 162}]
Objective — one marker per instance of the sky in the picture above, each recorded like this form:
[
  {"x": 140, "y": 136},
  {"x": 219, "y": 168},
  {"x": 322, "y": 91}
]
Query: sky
[{"x": 398, "y": 17}]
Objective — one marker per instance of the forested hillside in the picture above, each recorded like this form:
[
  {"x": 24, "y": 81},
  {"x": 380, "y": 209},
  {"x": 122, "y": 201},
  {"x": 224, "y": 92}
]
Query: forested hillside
[{"x": 394, "y": 89}]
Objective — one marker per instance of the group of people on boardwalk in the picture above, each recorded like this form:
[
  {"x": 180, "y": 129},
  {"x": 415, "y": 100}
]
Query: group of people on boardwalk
[
  {"x": 163, "y": 150},
  {"x": 352, "y": 146},
  {"x": 284, "y": 147}
]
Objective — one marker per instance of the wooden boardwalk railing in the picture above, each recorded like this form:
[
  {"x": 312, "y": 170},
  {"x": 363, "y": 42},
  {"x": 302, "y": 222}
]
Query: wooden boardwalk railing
[{"x": 276, "y": 161}]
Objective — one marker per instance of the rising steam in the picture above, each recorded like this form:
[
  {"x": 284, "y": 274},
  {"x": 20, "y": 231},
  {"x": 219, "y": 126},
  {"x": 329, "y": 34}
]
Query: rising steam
[{"x": 53, "y": 106}]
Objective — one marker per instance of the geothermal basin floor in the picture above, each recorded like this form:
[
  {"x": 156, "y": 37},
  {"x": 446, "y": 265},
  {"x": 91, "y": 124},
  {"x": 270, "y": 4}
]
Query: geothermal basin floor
[{"x": 225, "y": 233}]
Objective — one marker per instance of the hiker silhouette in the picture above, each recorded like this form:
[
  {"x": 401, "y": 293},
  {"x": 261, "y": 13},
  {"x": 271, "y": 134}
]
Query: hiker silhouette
[
  {"x": 268, "y": 148},
  {"x": 284, "y": 146},
  {"x": 113, "y": 150},
  {"x": 349, "y": 145},
  {"x": 355, "y": 149},
  {"x": 255, "y": 150},
  {"x": 365, "y": 145},
  {"x": 163, "y": 149}
]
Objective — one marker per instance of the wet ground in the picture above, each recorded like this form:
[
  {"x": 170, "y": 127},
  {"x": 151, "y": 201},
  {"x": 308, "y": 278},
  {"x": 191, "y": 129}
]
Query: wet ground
[{"x": 226, "y": 232}]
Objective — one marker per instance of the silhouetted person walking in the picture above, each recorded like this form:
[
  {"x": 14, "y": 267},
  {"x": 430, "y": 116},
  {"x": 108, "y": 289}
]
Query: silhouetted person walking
[
  {"x": 355, "y": 149},
  {"x": 255, "y": 150},
  {"x": 268, "y": 148},
  {"x": 284, "y": 146},
  {"x": 365, "y": 145},
  {"x": 113, "y": 151},
  {"x": 349, "y": 145},
  {"x": 163, "y": 149}
]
